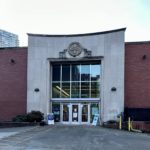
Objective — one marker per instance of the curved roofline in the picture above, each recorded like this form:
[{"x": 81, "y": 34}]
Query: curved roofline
[{"x": 74, "y": 35}]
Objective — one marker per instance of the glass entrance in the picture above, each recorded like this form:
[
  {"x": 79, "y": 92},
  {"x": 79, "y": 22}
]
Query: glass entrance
[
  {"x": 75, "y": 113},
  {"x": 65, "y": 113},
  {"x": 85, "y": 113}
]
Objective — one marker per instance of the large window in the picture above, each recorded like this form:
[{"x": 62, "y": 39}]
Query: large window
[{"x": 76, "y": 80}]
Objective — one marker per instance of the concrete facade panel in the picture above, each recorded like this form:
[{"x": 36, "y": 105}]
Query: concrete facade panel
[{"x": 110, "y": 46}]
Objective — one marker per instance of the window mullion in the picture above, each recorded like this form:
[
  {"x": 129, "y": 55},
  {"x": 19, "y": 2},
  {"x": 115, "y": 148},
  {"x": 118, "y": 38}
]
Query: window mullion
[
  {"x": 60, "y": 80},
  {"x": 70, "y": 80},
  {"x": 80, "y": 83},
  {"x": 90, "y": 83}
]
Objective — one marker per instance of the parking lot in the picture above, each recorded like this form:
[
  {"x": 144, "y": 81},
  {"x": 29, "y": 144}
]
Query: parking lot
[{"x": 72, "y": 138}]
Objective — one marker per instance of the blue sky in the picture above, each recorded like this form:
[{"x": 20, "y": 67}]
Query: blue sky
[{"x": 75, "y": 16}]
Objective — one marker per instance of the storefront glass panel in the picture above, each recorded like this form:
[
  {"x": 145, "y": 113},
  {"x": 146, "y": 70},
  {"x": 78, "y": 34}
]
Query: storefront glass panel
[
  {"x": 65, "y": 91},
  {"x": 65, "y": 112},
  {"x": 95, "y": 72},
  {"x": 94, "y": 110},
  {"x": 76, "y": 81},
  {"x": 75, "y": 113},
  {"x": 56, "y": 90},
  {"x": 56, "y": 111},
  {"x": 95, "y": 89},
  {"x": 75, "y": 72},
  {"x": 85, "y": 90},
  {"x": 75, "y": 90},
  {"x": 65, "y": 72},
  {"x": 56, "y": 73},
  {"x": 85, "y": 72},
  {"x": 84, "y": 113}
]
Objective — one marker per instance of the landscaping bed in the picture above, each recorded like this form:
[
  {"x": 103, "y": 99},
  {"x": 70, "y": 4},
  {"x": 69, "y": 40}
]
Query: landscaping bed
[
  {"x": 32, "y": 118},
  {"x": 138, "y": 125}
]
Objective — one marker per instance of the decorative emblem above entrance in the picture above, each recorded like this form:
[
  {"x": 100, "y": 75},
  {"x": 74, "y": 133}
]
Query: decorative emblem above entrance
[{"x": 75, "y": 49}]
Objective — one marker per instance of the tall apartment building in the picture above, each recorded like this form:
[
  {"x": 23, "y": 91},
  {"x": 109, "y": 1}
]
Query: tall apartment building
[{"x": 8, "y": 39}]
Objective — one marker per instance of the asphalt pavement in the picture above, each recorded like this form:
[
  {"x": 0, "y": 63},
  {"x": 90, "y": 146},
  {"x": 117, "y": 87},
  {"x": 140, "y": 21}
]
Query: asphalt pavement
[{"x": 62, "y": 137}]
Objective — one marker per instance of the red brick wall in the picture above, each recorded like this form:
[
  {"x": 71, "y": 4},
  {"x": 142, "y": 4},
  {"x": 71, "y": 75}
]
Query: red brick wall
[
  {"x": 13, "y": 82},
  {"x": 137, "y": 75},
  {"x": 13, "y": 79}
]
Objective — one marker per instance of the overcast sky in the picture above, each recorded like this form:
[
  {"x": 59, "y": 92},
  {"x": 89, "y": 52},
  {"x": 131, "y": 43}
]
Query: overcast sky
[{"x": 75, "y": 16}]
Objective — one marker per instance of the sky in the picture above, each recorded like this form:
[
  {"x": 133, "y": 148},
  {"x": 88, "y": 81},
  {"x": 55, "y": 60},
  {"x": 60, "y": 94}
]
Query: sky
[{"x": 75, "y": 16}]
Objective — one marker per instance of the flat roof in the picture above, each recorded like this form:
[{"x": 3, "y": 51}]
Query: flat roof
[
  {"x": 74, "y": 35},
  {"x": 7, "y": 48},
  {"x": 138, "y": 42}
]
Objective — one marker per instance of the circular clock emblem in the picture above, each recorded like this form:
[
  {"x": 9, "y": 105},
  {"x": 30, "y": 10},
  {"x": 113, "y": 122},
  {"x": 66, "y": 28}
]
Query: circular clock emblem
[{"x": 75, "y": 49}]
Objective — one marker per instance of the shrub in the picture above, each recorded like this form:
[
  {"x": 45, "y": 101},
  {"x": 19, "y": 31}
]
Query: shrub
[
  {"x": 20, "y": 118},
  {"x": 35, "y": 116}
]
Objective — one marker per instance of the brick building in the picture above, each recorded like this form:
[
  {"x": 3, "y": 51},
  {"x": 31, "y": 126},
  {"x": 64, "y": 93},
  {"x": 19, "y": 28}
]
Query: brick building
[
  {"x": 33, "y": 78},
  {"x": 13, "y": 82},
  {"x": 137, "y": 80}
]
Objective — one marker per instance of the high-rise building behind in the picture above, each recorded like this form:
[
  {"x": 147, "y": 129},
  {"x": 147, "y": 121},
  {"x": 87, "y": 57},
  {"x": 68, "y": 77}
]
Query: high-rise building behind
[{"x": 8, "y": 39}]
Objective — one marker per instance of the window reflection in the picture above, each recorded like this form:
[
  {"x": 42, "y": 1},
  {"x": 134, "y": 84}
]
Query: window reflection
[
  {"x": 95, "y": 72},
  {"x": 65, "y": 72},
  {"x": 85, "y": 72},
  {"x": 95, "y": 89},
  {"x": 84, "y": 113},
  {"x": 75, "y": 72},
  {"x": 56, "y": 72},
  {"x": 56, "y": 90},
  {"x": 65, "y": 112},
  {"x": 65, "y": 91},
  {"x": 75, "y": 90},
  {"x": 94, "y": 110},
  {"x": 56, "y": 111},
  {"x": 76, "y": 81},
  {"x": 85, "y": 87}
]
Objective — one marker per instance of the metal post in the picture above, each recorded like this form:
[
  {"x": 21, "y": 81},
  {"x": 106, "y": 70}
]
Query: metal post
[
  {"x": 120, "y": 122},
  {"x": 129, "y": 124}
]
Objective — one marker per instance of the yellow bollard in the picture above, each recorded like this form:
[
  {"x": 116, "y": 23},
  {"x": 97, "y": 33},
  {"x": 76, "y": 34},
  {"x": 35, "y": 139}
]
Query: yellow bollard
[
  {"x": 129, "y": 124},
  {"x": 130, "y": 128},
  {"x": 120, "y": 122}
]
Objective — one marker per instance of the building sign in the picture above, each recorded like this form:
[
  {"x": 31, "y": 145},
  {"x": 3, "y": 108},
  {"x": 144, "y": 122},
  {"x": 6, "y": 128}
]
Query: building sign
[
  {"x": 50, "y": 118},
  {"x": 95, "y": 119},
  {"x": 94, "y": 110}
]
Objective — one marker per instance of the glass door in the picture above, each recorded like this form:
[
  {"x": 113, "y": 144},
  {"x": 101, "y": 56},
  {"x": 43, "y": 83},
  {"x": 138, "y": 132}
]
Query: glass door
[
  {"x": 65, "y": 113},
  {"x": 85, "y": 114},
  {"x": 75, "y": 114}
]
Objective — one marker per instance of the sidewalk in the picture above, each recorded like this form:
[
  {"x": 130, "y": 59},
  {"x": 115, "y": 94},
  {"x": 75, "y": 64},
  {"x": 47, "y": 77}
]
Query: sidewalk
[{"x": 5, "y": 132}]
